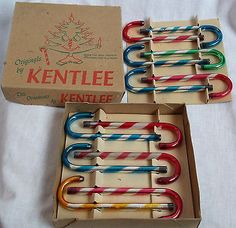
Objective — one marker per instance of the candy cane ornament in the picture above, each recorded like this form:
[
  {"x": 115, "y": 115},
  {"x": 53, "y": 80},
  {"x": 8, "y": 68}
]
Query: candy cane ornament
[
  {"x": 205, "y": 64},
  {"x": 117, "y": 137},
  {"x": 114, "y": 191},
  {"x": 179, "y": 38},
  {"x": 141, "y": 125},
  {"x": 117, "y": 155},
  {"x": 176, "y": 205},
  {"x": 83, "y": 150},
  {"x": 178, "y": 89},
  {"x": 118, "y": 168},
  {"x": 125, "y": 137},
  {"x": 157, "y": 206}
]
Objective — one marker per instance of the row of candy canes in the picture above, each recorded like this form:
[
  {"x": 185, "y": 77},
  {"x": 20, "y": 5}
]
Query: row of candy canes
[
  {"x": 85, "y": 151},
  {"x": 204, "y": 64}
]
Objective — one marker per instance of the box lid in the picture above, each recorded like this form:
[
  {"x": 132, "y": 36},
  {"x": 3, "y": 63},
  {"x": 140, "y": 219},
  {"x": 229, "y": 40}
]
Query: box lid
[{"x": 64, "y": 48}]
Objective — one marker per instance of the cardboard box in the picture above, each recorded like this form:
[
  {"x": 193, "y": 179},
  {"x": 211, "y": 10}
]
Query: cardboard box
[
  {"x": 186, "y": 185},
  {"x": 190, "y": 97},
  {"x": 60, "y": 53}
]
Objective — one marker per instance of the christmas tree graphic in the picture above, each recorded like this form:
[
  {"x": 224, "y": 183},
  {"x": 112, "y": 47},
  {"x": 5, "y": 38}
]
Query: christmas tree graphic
[{"x": 71, "y": 38}]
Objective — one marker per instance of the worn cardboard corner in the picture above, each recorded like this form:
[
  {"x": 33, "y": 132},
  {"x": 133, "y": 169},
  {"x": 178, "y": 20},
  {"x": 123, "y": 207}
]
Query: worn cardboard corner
[
  {"x": 63, "y": 55},
  {"x": 166, "y": 112}
]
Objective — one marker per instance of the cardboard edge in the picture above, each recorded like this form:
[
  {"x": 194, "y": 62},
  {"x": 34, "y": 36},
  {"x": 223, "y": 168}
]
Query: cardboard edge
[
  {"x": 70, "y": 4},
  {"x": 192, "y": 166},
  {"x": 10, "y": 95},
  {"x": 125, "y": 223},
  {"x": 102, "y": 223},
  {"x": 59, "y": 166}
]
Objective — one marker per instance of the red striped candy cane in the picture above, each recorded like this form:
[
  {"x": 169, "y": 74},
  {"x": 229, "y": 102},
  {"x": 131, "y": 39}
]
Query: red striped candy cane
[
  {"x": 141, "y": 125},
  {"x": 117, "y": 155},
  {"x": 176, "y": 206},
  {"x": 194, "y": 77},
  {"x": 133, "y": 155}
]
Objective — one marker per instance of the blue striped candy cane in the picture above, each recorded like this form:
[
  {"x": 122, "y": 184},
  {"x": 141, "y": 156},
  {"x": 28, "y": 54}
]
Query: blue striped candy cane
[
  {"x": 86, "y": 148},
  {"x": 119, "y": 137},
  {"x": 161, "y": 89},
  {"x": 174, "y": 38},
  {"x": 117, "y": 168},
  {"x": 210, "y": 28},
  {"x": 108, "y": 137},
  {"x": 105, "y": 169}
]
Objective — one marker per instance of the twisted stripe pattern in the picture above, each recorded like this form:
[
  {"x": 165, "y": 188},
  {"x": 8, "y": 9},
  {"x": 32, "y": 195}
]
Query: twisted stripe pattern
[
  {"x": 118, "y": 168},
  {"x": 120, "y": 137},
  {"x": 173, "y": 39},
  {"x": 108, "y": 137},
  {"x": 175, "y": 53},
  {"x": 204, "y": 63},
  {"x": 176, "y": 205},
  {"x": 172, "y": 52},
  {"x": 175, "y": 89},
  {"x": 187, "y": 37},
  {"x": 114, "y": 191},
  {"x": 171, "y": 29},
  {"x": 179, "y": 89},
  {"x": 159, "y": 206},
  {"x": 173, "y": 63},
  {"x": 118, "y": 155},
  {"x": 181, "y": 78},
  {"x": 123, "y": 125}
]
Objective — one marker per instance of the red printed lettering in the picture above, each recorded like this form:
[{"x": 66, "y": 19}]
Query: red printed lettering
[
  {"x": 71, "y": 77},
  {"x": 84, "y": 79},
  {"x": 92, "y": 98},
  {"x": 46, "y": 76},
  {"x": 64, "y": 97},
  {"x": 58, "y": 75},
  {"x": 74, "y": 76},
  {"x": 32, "y": 76},
  {"x": 108, "y": 78},
  {"x": 109, "y": 99},
  {"x": 96, "y": 78},
  {"x": 103, "y": 99}
]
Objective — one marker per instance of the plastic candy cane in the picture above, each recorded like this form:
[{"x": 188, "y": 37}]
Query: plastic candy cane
[
  {"x": 124, "y": 137},
  {"x": 205, "y": 64},
  {"x": 170, "y": 38},
  {"x": 83, "y": 150},
  {"x": 177, "y": 88},
  {"x": 176, "y": 205}
]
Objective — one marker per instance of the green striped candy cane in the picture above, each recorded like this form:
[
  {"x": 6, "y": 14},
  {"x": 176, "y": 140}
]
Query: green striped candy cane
[{"x": 205, "y": 64}]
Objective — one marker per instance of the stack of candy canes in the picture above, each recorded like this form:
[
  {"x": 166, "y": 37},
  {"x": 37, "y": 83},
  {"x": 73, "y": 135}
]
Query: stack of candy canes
[
  {"x": 205, "y": 48},
  {"x": 85, "y": 151}
]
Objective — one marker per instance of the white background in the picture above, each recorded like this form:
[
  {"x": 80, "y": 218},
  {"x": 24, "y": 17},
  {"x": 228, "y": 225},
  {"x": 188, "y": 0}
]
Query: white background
[{"x": 29, "y": 135}]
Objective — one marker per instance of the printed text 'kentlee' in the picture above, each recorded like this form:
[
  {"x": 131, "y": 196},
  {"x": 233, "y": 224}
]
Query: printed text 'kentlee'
[{"x": 70, "y": 77}]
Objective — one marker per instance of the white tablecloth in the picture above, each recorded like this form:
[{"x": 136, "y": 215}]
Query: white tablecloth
[{"x": 29, "y": 135}]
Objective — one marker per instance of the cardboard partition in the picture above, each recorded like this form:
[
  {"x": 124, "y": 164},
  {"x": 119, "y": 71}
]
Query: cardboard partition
[
  {"x": 186, "y": 185},
  {"x": 60, "y": 53},
  {"x": 173, "y": 97}
]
